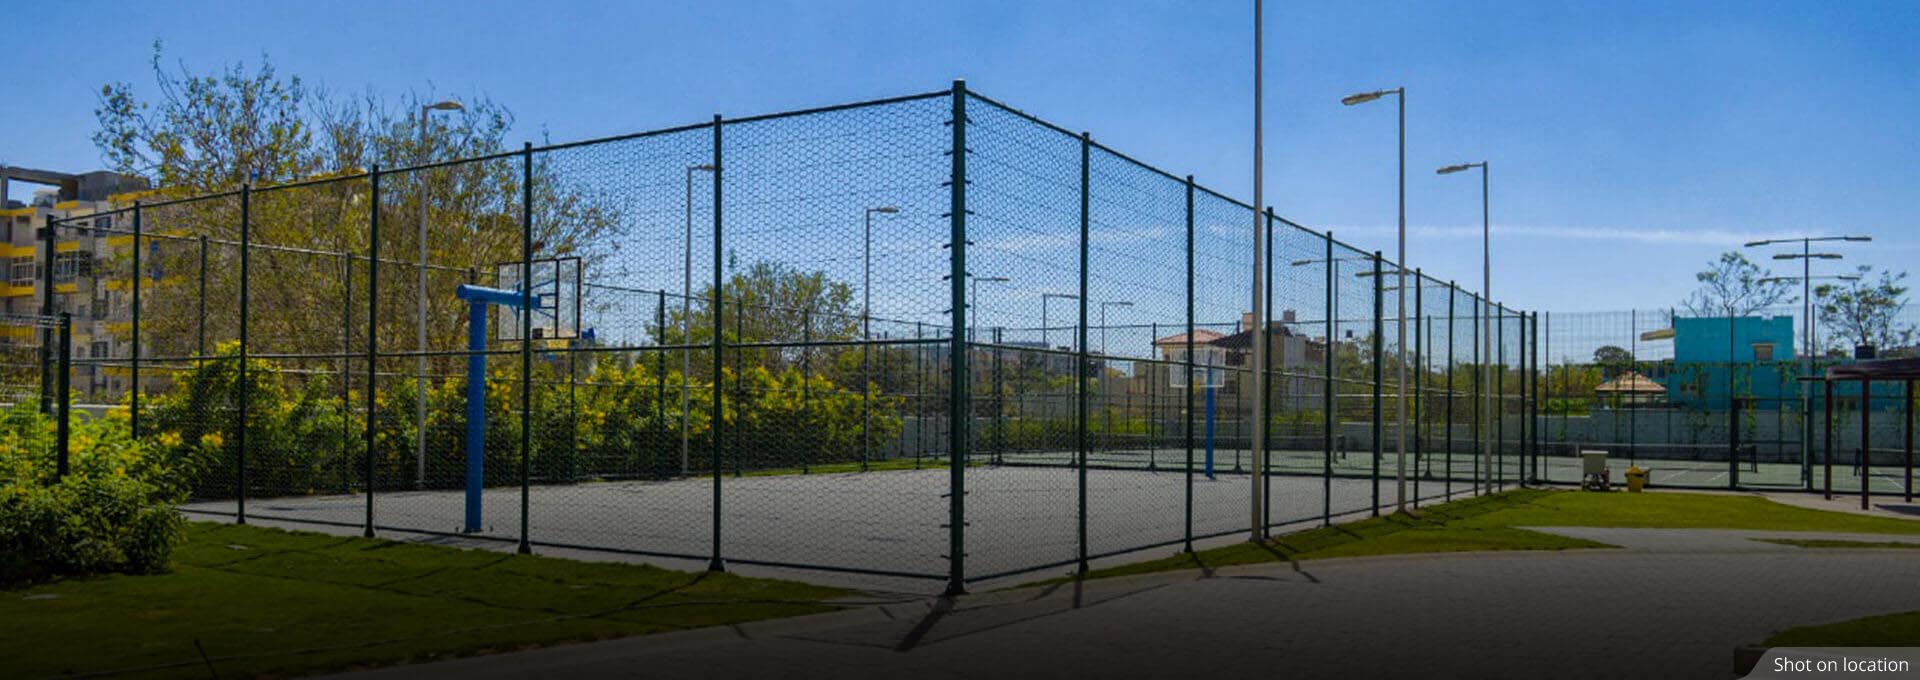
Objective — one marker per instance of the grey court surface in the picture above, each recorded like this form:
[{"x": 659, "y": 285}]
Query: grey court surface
[
  {"x": 1671, "y": 604},
  {"x": 893, "y": 523},
  {"x": 1023, "y": 514}
]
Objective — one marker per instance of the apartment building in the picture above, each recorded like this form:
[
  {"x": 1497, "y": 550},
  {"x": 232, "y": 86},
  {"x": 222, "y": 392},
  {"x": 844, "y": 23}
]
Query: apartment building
[{"x": 100, "y": 301}]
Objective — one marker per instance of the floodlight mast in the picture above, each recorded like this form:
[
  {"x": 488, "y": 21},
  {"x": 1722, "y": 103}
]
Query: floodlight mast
[
  {"x": 1486, "y": 284},
  {"x": 1806, "y": 256},
  {"x": 1400, "y": 324},
  {"x": 420, "y": 362}
]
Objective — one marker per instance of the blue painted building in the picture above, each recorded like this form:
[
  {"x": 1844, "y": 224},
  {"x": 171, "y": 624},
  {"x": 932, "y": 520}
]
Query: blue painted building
[{"x": 1759, "y": 350}]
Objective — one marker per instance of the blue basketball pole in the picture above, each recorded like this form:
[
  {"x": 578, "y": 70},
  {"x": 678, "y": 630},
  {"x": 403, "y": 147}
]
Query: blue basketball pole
[{"x": 478, "y": 298}]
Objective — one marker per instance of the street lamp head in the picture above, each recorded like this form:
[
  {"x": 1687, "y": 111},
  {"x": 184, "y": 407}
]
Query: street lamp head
[
  {"x": 1364, "y": 97},
  {"x": 703, "y": 167},
  {"x": 1762, "y": 242},
  {"x": 1118, "y": 303},
  {"x": 448, "y": 105},
  {"x": 885, "y": 209},
  {"x": 1458, "y": 168},
  {"x": 991, "y": 279},
  {"x": 1856, "y": 238},
  {"x": 1303, "y": 263}
]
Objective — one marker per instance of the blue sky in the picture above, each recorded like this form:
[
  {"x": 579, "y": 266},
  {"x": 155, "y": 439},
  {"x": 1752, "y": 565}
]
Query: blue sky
[{"x": 1630, "y": 141}]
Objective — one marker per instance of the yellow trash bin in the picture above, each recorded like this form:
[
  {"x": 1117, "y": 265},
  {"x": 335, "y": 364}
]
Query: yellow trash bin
[{"x": 1636, "y": 479}]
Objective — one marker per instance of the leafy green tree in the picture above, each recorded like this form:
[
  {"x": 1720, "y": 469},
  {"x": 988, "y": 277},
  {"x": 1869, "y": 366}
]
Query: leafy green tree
[
  {"x": 1734, "y": 286},
  {"x": 1866, "y": 311},
  {"x": 1612, "y": 355},
  {"x": 205, "y": 132}
]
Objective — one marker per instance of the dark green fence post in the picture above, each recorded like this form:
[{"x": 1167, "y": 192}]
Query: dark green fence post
[
  {"x": 63, "y": 392},
  {"x": 1082, "y": 361},
  {"x": 1452, "y": 309},
  {"x": 373, "y": 327},
  {"x": 1520, "y": 349},
  {"x": 240, "y": 438},
  {"x": 1499, "y": 359},
  {"x": 1329, "y": 421},
  {"x": 999, "y": 401},
  {"x": 1419, "y": 371},
  {"x": 717, "y": 422},
  {"x": 957, "y": 294},
  {"x": 1191, "y": 365},
  {"x": 1476, "y": 408},
  {"x": 1266, "y": 395},
  {"x": 806, "y": 381},
  {"x": 1379, "y": 330},
  {"x": 660, "y": 371},
  {"x": 526, "y": 338},
  {"x": 200, "y": 326},
  {"x": 48, "y": 335},
  {"x": 133, "y": 386}
]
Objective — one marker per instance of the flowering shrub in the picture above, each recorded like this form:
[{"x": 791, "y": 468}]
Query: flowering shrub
[{"x": 112, "y": 512}]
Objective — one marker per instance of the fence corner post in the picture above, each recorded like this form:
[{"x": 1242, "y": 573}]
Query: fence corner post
[{"x": 959, "y": 414}]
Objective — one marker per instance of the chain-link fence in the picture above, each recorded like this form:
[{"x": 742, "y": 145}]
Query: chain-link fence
[
  {"x": 929, "y": 337},
  {"x": 1720, "y": 401}
]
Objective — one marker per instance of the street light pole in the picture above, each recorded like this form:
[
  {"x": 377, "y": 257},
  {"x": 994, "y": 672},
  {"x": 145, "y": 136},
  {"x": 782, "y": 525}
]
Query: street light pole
[
  {"x": 686, "y": 318},
  {"x": 1806, "y": 257},
  {"x": 1259, "y": 443},
  {"x": 866, "y": 333},
  {"x": 974, "y": 322},
  {"x": 1044, "y": 345},
  {"x": 1103, "y": 321},
  {"x": 420, "y": 362},
  {"x": 1400, "y": 324},
  {"x": 1486, "y": 287}
]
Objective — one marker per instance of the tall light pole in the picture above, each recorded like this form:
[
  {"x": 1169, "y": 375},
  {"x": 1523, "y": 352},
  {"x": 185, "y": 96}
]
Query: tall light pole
[
  {"x": 420, "y": 362},
  {"x": 1400, "y": 402},
  {"x": 1103, "y": 321},
  {"x": 686, "y": 316},
  {"x": 1044, "y": 297},
  {"x": 1806, "y": 256},
  {"x": 1486, "y": 318},
  {"x": 973, "y": 320},
  {"x": 866, "y": 330},
  {"x": 1258, "y": 482}
]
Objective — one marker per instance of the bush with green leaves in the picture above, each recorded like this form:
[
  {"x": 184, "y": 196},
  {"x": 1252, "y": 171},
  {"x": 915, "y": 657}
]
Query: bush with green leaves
[
  {"x": 615, "y": 417},
  {"x": 114, "y": 510}
]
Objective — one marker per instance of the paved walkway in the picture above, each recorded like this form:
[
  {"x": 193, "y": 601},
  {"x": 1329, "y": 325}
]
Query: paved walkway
[{"x": 1673, "y": 604}]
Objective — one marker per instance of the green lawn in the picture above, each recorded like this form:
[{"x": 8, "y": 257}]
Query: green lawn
[
  {"x": 256, "y": 601},
  {"x": 1891, "y": 630},
  {"x": 1491, "y": 523}
]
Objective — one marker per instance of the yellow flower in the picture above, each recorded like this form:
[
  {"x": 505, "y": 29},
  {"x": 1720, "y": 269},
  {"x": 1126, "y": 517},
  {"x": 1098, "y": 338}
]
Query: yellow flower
[{"x": 212, "y": 439}]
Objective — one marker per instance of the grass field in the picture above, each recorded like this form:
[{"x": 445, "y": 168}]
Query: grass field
[
  {"x": 244, "y": 601},
  {"x": 1493, "y": 523},
  {"x": 1891, "y": 630}
]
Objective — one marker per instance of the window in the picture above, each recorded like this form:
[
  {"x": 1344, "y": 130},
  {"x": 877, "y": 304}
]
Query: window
[
  {"x": 1763, "y": 351},
  {"x": 100, "y": 226},
  {"x": 23, "y": 271},
  {"x": 99, "y": 350},
  {"x": 72, "y": 265}
]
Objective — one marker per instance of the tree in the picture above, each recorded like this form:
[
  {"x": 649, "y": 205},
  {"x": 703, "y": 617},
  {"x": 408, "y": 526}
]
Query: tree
[
  {"x": 1735, "y": 286},
  {"x": 1612, "y": 355},
  {"x": 204, "y": 133},
  {"x": 1865, "y": 311}
]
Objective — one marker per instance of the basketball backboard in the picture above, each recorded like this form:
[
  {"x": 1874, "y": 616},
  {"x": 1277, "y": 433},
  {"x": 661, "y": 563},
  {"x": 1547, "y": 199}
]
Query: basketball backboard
[{"x": 556, "y": 289}]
